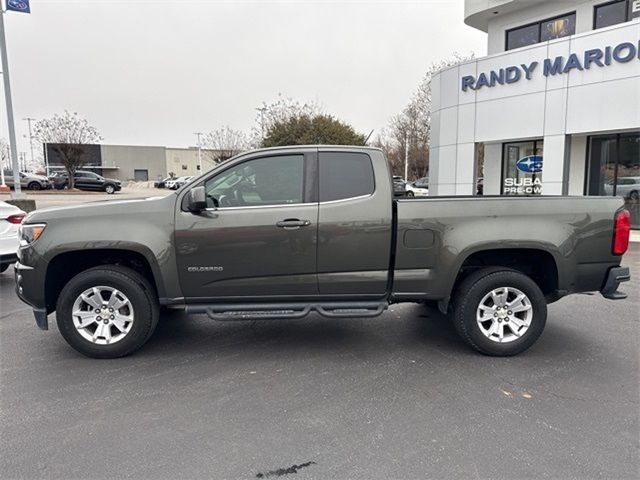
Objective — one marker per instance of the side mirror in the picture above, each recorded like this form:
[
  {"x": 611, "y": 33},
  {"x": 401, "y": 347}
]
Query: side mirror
[{"x": 196, "y": 200}]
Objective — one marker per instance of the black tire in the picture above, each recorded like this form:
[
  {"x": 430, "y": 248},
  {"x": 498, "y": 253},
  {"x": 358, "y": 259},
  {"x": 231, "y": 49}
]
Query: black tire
[
  {"x": 138, "y": 290},
  {"x": 410, "y": 194},
  {"x": 634, "y": 195},
  {"x": 110, "y": 188},
  {"x": 3, "y": 267},
  {"x": 34, "y": 186},
  {"x": 473, "y": 289}
]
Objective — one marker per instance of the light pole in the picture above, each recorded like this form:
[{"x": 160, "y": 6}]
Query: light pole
[
  {"x": 406, "y": 156},
  {"x": 29, "y": 120},
  {"x": 198, "y": 134},
  {"x": 17, "y": 190}
]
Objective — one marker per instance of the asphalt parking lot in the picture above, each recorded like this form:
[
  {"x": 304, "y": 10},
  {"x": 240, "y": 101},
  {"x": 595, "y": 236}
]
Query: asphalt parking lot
[
  {"x": 394, "y": 397},
  {"x": 57, "y": 198}
]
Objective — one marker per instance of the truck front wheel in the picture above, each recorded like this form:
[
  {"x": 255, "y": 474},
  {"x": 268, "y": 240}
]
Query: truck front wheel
[
  {"x": 107, "y": 312},
  {"x": 499, "y": 312}
]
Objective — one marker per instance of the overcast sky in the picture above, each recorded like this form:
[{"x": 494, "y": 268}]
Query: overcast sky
[{"x": 153, "y": 72}]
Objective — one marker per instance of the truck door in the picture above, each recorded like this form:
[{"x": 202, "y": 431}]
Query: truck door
[
  {"x": 354, "y": 223},
  {"x": 258, "y": 237}
]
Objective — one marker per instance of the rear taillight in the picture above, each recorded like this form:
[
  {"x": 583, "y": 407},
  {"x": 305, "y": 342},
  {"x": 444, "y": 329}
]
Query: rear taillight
[
  {"x": 16, "y": 219},
  {"x": 621, "y": 232}
]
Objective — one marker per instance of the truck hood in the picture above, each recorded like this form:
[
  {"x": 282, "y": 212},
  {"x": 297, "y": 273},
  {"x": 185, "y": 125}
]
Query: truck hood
[{"x": 104, "y": 210}]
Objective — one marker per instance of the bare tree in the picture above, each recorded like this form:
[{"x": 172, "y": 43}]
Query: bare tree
[
  {"x": 224, "y": 143},
  {"x": 384, "y": 142},
  {"x": 413, "y": 124},
  {"x": 4, "y": 154},
  {"x": 67, "y": 133}
]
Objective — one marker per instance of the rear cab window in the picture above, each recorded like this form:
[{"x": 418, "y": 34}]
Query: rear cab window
[{"x": 344, "y": 175}]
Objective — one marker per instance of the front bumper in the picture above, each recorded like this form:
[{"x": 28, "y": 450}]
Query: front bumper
[
  {"x": 615, "y": 277},
  {"x": 30, "y": 290}
]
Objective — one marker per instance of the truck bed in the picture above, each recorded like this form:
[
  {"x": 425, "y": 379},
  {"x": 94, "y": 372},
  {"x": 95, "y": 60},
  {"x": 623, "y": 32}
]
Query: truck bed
[{"x": 436, "y": 236}]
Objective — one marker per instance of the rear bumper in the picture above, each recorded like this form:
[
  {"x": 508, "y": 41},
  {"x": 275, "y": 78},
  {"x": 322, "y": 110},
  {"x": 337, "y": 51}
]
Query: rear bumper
[
  {"x": 615, "y": 277},
  {"x": 9, "y": 243},
  {"x": 8, "y": 258}
]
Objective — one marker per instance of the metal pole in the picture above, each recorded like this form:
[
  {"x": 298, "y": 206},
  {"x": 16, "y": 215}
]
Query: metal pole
[
  {"x": 406, "y": 157},
  {"x": 29, "y": 120},
  {"x": 2, "y": 184},
  {"x": 17, "y": 190},
  {"x": 46, "y": 160},
  {"x": 199, "y": 151}
]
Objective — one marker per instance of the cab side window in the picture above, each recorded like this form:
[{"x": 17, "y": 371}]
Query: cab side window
[
  {"x": 345, "y": 175},
  {"x": 266, "y": 181}
]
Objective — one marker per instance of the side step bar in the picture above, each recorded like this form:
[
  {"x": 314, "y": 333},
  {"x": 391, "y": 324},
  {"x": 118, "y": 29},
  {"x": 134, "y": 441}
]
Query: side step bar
[{"x": 277, "y": 311}]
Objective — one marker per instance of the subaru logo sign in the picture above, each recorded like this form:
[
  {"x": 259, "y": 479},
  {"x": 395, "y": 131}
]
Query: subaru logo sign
[
  {"x": 18, "y": 6},
  {"x": 530, "y": 164}
]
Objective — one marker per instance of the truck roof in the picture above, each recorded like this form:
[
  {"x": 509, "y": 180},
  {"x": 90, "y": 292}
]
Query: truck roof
[{"x": 319, "y": 146}]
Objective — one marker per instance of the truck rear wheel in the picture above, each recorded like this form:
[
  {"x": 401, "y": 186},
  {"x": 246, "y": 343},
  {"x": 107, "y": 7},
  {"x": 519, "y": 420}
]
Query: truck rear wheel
[
  {"x": 499, "y": 312},
  {"x": 107, "y": 312}
]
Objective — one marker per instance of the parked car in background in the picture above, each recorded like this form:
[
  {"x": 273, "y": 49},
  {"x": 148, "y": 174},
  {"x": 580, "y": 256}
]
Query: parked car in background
[
  {"x": 414, "y": 191},
  {"x": 10, "y": 219},
  {"x": 422, "y": 183},
  {"x": 170, "y": 183},
  {"x": 179, "y": 182},
  {"x": 163, "y": 183},
  {"x": 28, "y": 181},
  {"x": 84, "y": 180},
  {"x": 406, "y": 189},
  {"x": 399, "y": 187},
  {"x": 627, "y": 187}
]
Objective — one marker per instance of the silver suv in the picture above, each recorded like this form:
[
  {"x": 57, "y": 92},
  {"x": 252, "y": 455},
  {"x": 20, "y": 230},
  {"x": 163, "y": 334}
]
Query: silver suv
[{"x": 28, "y": 181}]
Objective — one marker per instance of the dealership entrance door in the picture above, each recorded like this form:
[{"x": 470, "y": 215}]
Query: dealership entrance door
[{"x": 613, "y": 168}]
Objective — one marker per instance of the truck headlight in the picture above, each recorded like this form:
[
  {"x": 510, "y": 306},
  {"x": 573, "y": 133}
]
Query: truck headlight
[{"x": 29, "y": 233}]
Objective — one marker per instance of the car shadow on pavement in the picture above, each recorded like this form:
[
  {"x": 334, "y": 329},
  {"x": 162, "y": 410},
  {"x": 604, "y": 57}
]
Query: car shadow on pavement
[{"x": 411, "y": 328}]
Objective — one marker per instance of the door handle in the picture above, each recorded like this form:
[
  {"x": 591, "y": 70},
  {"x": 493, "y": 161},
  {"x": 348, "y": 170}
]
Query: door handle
[{"x": 292, "y": 223}]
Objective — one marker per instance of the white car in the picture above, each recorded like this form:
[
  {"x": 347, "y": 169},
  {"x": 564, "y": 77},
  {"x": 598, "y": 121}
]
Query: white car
[
  {"x": 413, "y": 191},
  {"x": 182, "y": 181},
  {"x": 170, "y": 182},
  {"x": 176, "y": 183},
  {"x": 10, "y": 219},
  {"x": 628, "y": 187}
]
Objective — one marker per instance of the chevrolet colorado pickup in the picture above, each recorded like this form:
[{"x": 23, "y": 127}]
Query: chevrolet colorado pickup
[{"x": 279, "y": 233}]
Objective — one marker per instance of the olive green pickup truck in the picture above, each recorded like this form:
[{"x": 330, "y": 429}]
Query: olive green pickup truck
[{"x": 280, "y": 233}]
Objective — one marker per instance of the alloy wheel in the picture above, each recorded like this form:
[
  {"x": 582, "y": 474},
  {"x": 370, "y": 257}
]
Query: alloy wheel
[
  {"x": 504, "y": 314},
  {"x": 102, "y": 315}
]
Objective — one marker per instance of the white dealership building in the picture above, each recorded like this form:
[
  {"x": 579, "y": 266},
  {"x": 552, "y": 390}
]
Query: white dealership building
[{"x": 554, "y": 108}]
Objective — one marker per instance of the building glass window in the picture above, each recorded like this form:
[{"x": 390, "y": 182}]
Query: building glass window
[
  {"x": 556, "y": 27},
  {"x": 523, "y": 36},
  {"x": 522, "y": 164},
  {"x": 613, "y": 167},
  {"x": 615, "y": 12}
]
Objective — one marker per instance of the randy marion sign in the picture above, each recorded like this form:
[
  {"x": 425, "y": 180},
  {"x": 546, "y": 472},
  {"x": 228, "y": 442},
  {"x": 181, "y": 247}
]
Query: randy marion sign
[{"x": 622, "y": 53}]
